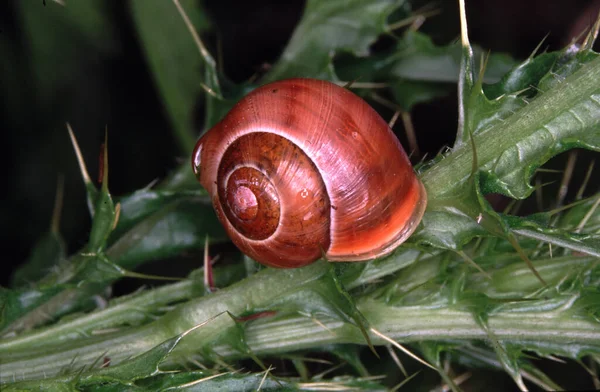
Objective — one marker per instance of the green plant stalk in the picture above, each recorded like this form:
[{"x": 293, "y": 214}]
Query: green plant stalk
[
  {"x": 539, "y": 326},
  {"x": 127, "y": 312},
  {"x": 513, "y": 281},
  {"x": 408, "y": 324},
  {"x": 131, "y": 310},
  {"x": 138, "y": 308},
  {"x": 455, "y": 168},
  {"x": 257, "y": 292},
  {"x": 547, "y": 331}
]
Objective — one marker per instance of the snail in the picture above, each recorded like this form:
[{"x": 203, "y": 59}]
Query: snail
[{"x": 301, "y": 169}]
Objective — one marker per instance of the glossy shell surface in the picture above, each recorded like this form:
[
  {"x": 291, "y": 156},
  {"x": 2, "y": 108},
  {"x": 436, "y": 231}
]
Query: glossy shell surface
[{"x": 303, "y": 168}]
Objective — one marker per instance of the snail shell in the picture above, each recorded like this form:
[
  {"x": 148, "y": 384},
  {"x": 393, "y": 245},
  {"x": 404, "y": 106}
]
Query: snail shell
[{"x": 302, "y": 169}]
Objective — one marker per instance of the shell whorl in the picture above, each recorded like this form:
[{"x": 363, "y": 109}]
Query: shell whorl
[{"x": 301, "y": 168}]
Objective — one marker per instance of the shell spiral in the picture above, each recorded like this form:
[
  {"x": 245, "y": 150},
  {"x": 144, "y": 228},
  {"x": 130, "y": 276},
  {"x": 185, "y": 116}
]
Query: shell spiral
[{"x": 303, "y": 168}]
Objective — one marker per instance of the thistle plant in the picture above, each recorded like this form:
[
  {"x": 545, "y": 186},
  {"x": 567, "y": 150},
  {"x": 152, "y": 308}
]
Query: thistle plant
[{"x": 474, "y": 289}]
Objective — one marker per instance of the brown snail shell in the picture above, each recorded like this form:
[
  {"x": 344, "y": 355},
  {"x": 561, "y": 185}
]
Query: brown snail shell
[{"x": 303, "y": 168}]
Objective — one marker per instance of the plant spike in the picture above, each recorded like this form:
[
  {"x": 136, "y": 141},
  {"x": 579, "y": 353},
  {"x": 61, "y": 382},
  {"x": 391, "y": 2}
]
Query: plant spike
[
  {"x": 466, "y": 77},
  {"x": 398, "y": 386},
  {"x": 586, "y": 179},
  {"x": 592, "y": 35},
  {"x": 401, "y": 348},
  {"x": 212, "y": 83},
  {"x": 92, "y": 192},
  {"x": 515, "y": 243},
  {"x": 396, "y": 360},
  {"x": 472, "y": 263},
  {"x": 588, "y": 215},
  {"x": 566, "y": 178},
  {"x": 106, "y": 213}
]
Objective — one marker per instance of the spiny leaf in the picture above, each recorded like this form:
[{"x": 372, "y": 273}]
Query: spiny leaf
[
  {"x": 106, "y": 213},
  {"x": 574, "y": 124},
  {"x": 144, "y": 202},
  {"x": 523, "y": 78},
  {"x": 141, "y": 366},
  {"x": 327, "y": 27},
  {"x": 181, "y": 224},
  {"x": 584, "y": 243},
  {"x": 416, "y": 70},
  {"x": 132, "y": 310},
  {"x": 91, "y": 190},
  {"x": 417, "y": 58}
]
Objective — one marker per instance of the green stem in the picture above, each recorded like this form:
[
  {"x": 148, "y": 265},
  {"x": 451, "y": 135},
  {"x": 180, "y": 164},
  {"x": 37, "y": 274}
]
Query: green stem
[
  {"x": 258, "y": 292},
  {"x": 129, "y": 312},
  {"x": 544, "y": 324},
  {"x": 546, "y": 330},
  {"x": 407, "y": 324}
]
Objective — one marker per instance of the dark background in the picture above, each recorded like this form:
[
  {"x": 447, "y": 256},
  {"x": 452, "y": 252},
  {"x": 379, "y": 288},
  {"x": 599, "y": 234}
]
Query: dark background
[{"x": 111, "y": 87}]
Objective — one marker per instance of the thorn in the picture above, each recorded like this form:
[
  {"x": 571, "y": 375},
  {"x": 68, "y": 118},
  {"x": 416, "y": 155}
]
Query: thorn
[
  {"x": 411, "y": 134},
  {"x": 566, "y": 179},
  {"x": 385, "y": 102},
  {"x": 403, "y": 382},
  {"x": 587, "y": 216},
  {"x": 473, "y": 263},
  {"x": 192, "y": 30},
  {"x": 353, "y": 84},
  {"x": 590, "y": 39},
  {"x": 406, "y": 121},
  {"x": 396, "y": 360},
  {"x": 464, "y": 35},
  {"x": 320, "y": 324},
  {"x": 394, "y": 118},
  {"x": 209, "y": 378},
  {"x": 571, "y": 205},
  {"x": 82, "y": 167},
  {"x": 209, "y": 91},
  {"x": 202, "y": 324},
  {"x": 117, "y": 216},
  {"x": 324, "y": 373},
  {"x": 262, "y": 381},
  {"x": 586, "y": 179},
  {"x": 457, "y": 381},
  {"x": 206, "y": 56},
  {"x": 537, "y": 48},
  {"x": 416, "y": 25},
  {"x": 483, "y": 66},
  {"x": 349, "y": 84},
  {"x": 138, "y": 275},
  {"x": 417, "y": 18},
  {"x": 513, "y": 241},
  {"x": 401, "y": 348}
]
